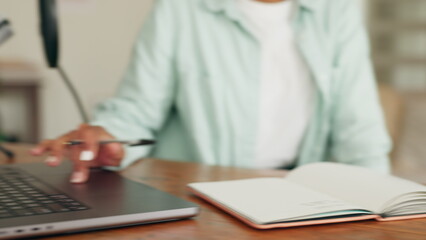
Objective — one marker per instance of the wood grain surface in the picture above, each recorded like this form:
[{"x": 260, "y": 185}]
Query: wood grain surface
[{"x": 212, "y": 223}]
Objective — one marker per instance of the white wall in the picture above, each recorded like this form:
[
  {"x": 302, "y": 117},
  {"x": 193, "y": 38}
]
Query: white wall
[{"x": 97, "y": 36}]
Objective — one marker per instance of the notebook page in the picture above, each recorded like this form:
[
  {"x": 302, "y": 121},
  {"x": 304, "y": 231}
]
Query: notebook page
[
  {"x": 357, "y": 185},
  {"x": 265, "y": 200}
]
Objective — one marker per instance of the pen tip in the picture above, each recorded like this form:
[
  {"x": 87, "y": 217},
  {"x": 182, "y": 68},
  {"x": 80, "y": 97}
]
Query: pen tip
[{"x": 143, "y": 142}]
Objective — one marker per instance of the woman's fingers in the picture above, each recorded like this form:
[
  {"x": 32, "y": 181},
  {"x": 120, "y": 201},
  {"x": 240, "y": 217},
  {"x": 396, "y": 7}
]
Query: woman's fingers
[
  {"x": 80, "y": 173},
  {"x": 84, "y": 154},
  {"x": 89, "y": 153},
  {"x": 90, "y": 145},
  {"x": 41, "y": 148},
  {"x": 110, "y": 154},
  {"x": 45, "y": 146},
  {"x": 55, "y": 149}
]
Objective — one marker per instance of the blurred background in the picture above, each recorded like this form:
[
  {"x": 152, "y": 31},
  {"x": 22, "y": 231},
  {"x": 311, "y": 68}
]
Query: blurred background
[{"x": 96, "y": 42}]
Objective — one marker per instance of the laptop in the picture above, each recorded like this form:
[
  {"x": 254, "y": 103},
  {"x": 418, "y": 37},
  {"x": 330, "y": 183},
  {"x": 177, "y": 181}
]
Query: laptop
[{"x": 39, "y": 200}]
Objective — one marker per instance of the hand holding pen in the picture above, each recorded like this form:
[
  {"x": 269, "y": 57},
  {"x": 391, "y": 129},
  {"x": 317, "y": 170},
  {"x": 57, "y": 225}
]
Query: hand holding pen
[
  {"x": 88, "y": 146},
  {"x": 131, "y": 143}
]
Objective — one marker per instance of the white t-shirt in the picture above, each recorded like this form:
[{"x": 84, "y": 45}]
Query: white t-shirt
[{"x": 286, "y": 89}]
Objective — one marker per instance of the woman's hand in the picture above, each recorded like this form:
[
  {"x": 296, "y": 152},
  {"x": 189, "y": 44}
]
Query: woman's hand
[{"x": 85, "y": 155}]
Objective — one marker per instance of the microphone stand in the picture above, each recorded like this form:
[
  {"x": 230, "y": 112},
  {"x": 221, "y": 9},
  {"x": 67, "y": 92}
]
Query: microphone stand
[
  {"x": 50, "y": 36},
  {"x": 5, "y": 33},
  {"x": 7, "y": 152}
]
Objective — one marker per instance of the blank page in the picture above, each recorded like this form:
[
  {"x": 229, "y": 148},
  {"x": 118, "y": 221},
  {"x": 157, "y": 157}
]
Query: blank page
[
  {"x": 266, "y": 200},
  {"x": 357, "y": 185}
]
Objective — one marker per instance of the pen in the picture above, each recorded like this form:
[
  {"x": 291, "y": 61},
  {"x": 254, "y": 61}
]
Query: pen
[{"x": 130, "y": 143}]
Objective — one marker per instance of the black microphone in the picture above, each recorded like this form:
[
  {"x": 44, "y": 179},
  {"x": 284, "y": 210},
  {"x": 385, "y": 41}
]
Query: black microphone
[
  {"x": 49, "y": 27},
  {"x": 49, "y": 31}
]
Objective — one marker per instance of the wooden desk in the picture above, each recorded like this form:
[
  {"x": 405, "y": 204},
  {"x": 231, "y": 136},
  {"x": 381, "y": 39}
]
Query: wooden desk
[{"x": 213, "y": 224}]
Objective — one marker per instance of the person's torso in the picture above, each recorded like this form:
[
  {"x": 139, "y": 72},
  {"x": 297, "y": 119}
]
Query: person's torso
[{"x": 217, "y": 69}]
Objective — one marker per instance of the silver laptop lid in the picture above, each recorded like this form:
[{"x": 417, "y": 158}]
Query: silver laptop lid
[{"x": 38, "y": 200}]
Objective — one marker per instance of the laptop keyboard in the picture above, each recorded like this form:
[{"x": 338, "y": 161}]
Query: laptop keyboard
[{"x": 23, "y": 195}]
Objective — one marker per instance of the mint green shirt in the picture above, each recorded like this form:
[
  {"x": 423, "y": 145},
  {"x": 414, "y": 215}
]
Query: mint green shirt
[{"x": 193, "y": 85}]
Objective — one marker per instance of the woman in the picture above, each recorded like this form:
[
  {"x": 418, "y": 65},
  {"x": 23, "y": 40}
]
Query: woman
[{"x": 247, "y": 83}]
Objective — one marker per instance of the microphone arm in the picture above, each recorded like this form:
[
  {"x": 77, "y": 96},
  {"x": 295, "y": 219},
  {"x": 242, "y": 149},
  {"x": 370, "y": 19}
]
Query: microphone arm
[
  {"x": 50, "y": 35},
  {"x": 74, "y": 93}
]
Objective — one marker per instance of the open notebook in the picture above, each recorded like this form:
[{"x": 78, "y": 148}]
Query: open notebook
[{"x": 315, "y": 194}]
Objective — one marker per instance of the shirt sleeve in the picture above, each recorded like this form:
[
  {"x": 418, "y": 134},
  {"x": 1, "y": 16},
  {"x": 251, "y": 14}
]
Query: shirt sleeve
[
  {"x": 359, "y": 134},
  {"x": 145, "y": 96}
]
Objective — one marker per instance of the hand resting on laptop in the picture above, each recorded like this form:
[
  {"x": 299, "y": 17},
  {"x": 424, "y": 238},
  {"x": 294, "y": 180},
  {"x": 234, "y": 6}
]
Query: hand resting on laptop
[{"x": 84, "y": 156}]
